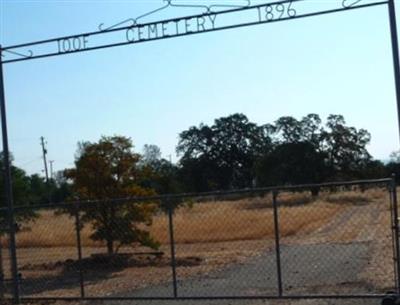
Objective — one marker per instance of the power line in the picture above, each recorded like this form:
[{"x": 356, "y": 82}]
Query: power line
[{"x": 29, "y": 162}]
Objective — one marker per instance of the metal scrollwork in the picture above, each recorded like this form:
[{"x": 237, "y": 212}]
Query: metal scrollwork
[
  {"x": 101, "y": 25},
  {"x": 169, "y": 3},
  {"x": 350, "y": 3},
  {"x": 134, "y": 21},
  {"x": 209, "y": 8},
  {"x": 30, "y": 53}
]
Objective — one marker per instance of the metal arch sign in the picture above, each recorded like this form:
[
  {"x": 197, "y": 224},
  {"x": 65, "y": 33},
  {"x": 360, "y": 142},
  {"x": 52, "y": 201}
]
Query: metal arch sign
[{"x": 210, "y": 19}]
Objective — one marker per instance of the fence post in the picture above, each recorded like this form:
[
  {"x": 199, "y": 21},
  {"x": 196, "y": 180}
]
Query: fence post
[
  {"x": 8, "y": 188},
  {"x": 277, "y": 242},
  {"x": 79, "y": 248},
  {"x": 396, "y": 230},
  {"x": 172, "y": 245},
  {"x": 396, "y": 69},
  {"x": 392, "y": 227},
  {"x": 395, "y": 54},
  {"x": 2, "y": 283}
]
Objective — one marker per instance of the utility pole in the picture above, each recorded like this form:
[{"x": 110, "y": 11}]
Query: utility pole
[
  {"x": 44, "y": 150},
  {"x": 51, "y": 169}
]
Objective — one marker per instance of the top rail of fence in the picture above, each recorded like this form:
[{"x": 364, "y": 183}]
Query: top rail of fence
[{"x": 169, "y": 197}]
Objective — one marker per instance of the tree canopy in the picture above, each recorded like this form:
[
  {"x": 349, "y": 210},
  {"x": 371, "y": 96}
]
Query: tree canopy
[
  {"x": 109, "y": 169},
  {"x": 222, "y": 156},
  {"x": 237, "y": 153},
  {"x": 24, "y": 193}
]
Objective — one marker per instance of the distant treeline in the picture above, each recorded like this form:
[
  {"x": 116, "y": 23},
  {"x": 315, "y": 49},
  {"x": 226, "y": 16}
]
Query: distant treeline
[
  {"x": 231, "y": 153},
  {"x": 237, "y": 153}
]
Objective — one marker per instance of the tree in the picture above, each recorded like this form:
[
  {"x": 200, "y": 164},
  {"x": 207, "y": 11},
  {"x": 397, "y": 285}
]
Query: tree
[
  {"x": 222, "y": 156},
  {"x": 201, "y": 174},
  {"x": 373, "y": 169},
  {"x": 233, "y": 151},
  {"x": 395, "y": 156},
  {"x": 60, "y": 188},
  {"x": 159, "y": 174},
  {"x": 105, "y": 170},
  {"x": 393, "y": 166},
  {"x": 39, "y": 189},
  {"x": 292, "y": 163},
  {"x": 22, "y": 195},
  {"x": 296, "y": 156},
  {"x": 305, "y": 152},
  {"x": 151, "y": 154},
  {"x": 346, "y": 148},
  {"x": 162, "y": 176},
  {"x": 291, "y": 130},
  {"x": 312, "y": 130}
]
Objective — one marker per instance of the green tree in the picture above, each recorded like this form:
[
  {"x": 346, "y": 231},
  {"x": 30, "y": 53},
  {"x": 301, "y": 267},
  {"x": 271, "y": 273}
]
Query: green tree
[
  {"x": 393, "y": 166},
  {"x": 151, "y": 154},
  {"x": 162, "y": 176},
  {"x": 292, "y": 163},
  {"x": 303, "y": 151},
  {"x": 158, "y": 173},
  {"x": 346, "y": 148},
  {"x": 373, "y": 169},
  {"x": 290, "y": 130},
  {"x": 223, "y": 154},
  {"x": 60, "y": 188},
  {"x": 22, "y": 195},
  {"x": 105, "y": 170},
  {"x": 39, "y": 189},
  {"x": 233, "y": 151},
  {"x": 312, "y": 130},
  {"x": 296, "y": 156}
]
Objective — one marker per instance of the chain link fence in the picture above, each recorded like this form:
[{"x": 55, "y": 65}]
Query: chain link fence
[{"x": 335, "y": 240}]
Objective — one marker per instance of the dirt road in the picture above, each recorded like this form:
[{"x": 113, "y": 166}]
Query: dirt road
[
  {"x": 305, "y": 269},
  {"x": 315, "y": 266}
]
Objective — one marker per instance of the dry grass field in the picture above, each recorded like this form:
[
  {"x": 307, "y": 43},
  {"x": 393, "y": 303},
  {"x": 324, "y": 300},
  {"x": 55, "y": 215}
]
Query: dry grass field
[
  {"x": 209, "y": 236},
  {"x": 217, "y": 221},
  {"x": 206, "y": 222}
]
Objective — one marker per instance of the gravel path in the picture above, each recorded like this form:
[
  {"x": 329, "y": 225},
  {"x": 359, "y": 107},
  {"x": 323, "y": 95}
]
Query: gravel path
[{"x": 306, "y": 269}]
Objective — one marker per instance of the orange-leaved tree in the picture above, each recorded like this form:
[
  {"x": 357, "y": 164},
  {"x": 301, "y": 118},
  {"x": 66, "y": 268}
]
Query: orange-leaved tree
[{"x": 105, "y": 170}]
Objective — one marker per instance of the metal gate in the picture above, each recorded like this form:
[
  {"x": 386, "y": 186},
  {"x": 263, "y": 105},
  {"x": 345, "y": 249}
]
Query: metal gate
[
  {"x": 279, "y": 241},
  {"x": 332, "y": 240}
]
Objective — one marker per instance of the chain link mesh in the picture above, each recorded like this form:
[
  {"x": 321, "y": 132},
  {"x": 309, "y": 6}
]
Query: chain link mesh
[{"x": 335, "y": 240}]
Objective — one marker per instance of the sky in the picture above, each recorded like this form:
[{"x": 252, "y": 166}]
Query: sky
[{"x": 331, "y": 64}]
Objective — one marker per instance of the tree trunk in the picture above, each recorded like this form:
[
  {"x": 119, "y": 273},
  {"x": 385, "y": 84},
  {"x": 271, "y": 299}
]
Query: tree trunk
[
  {"x": 315, "y": 192},
  {"x": 110, "y": 247}
]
